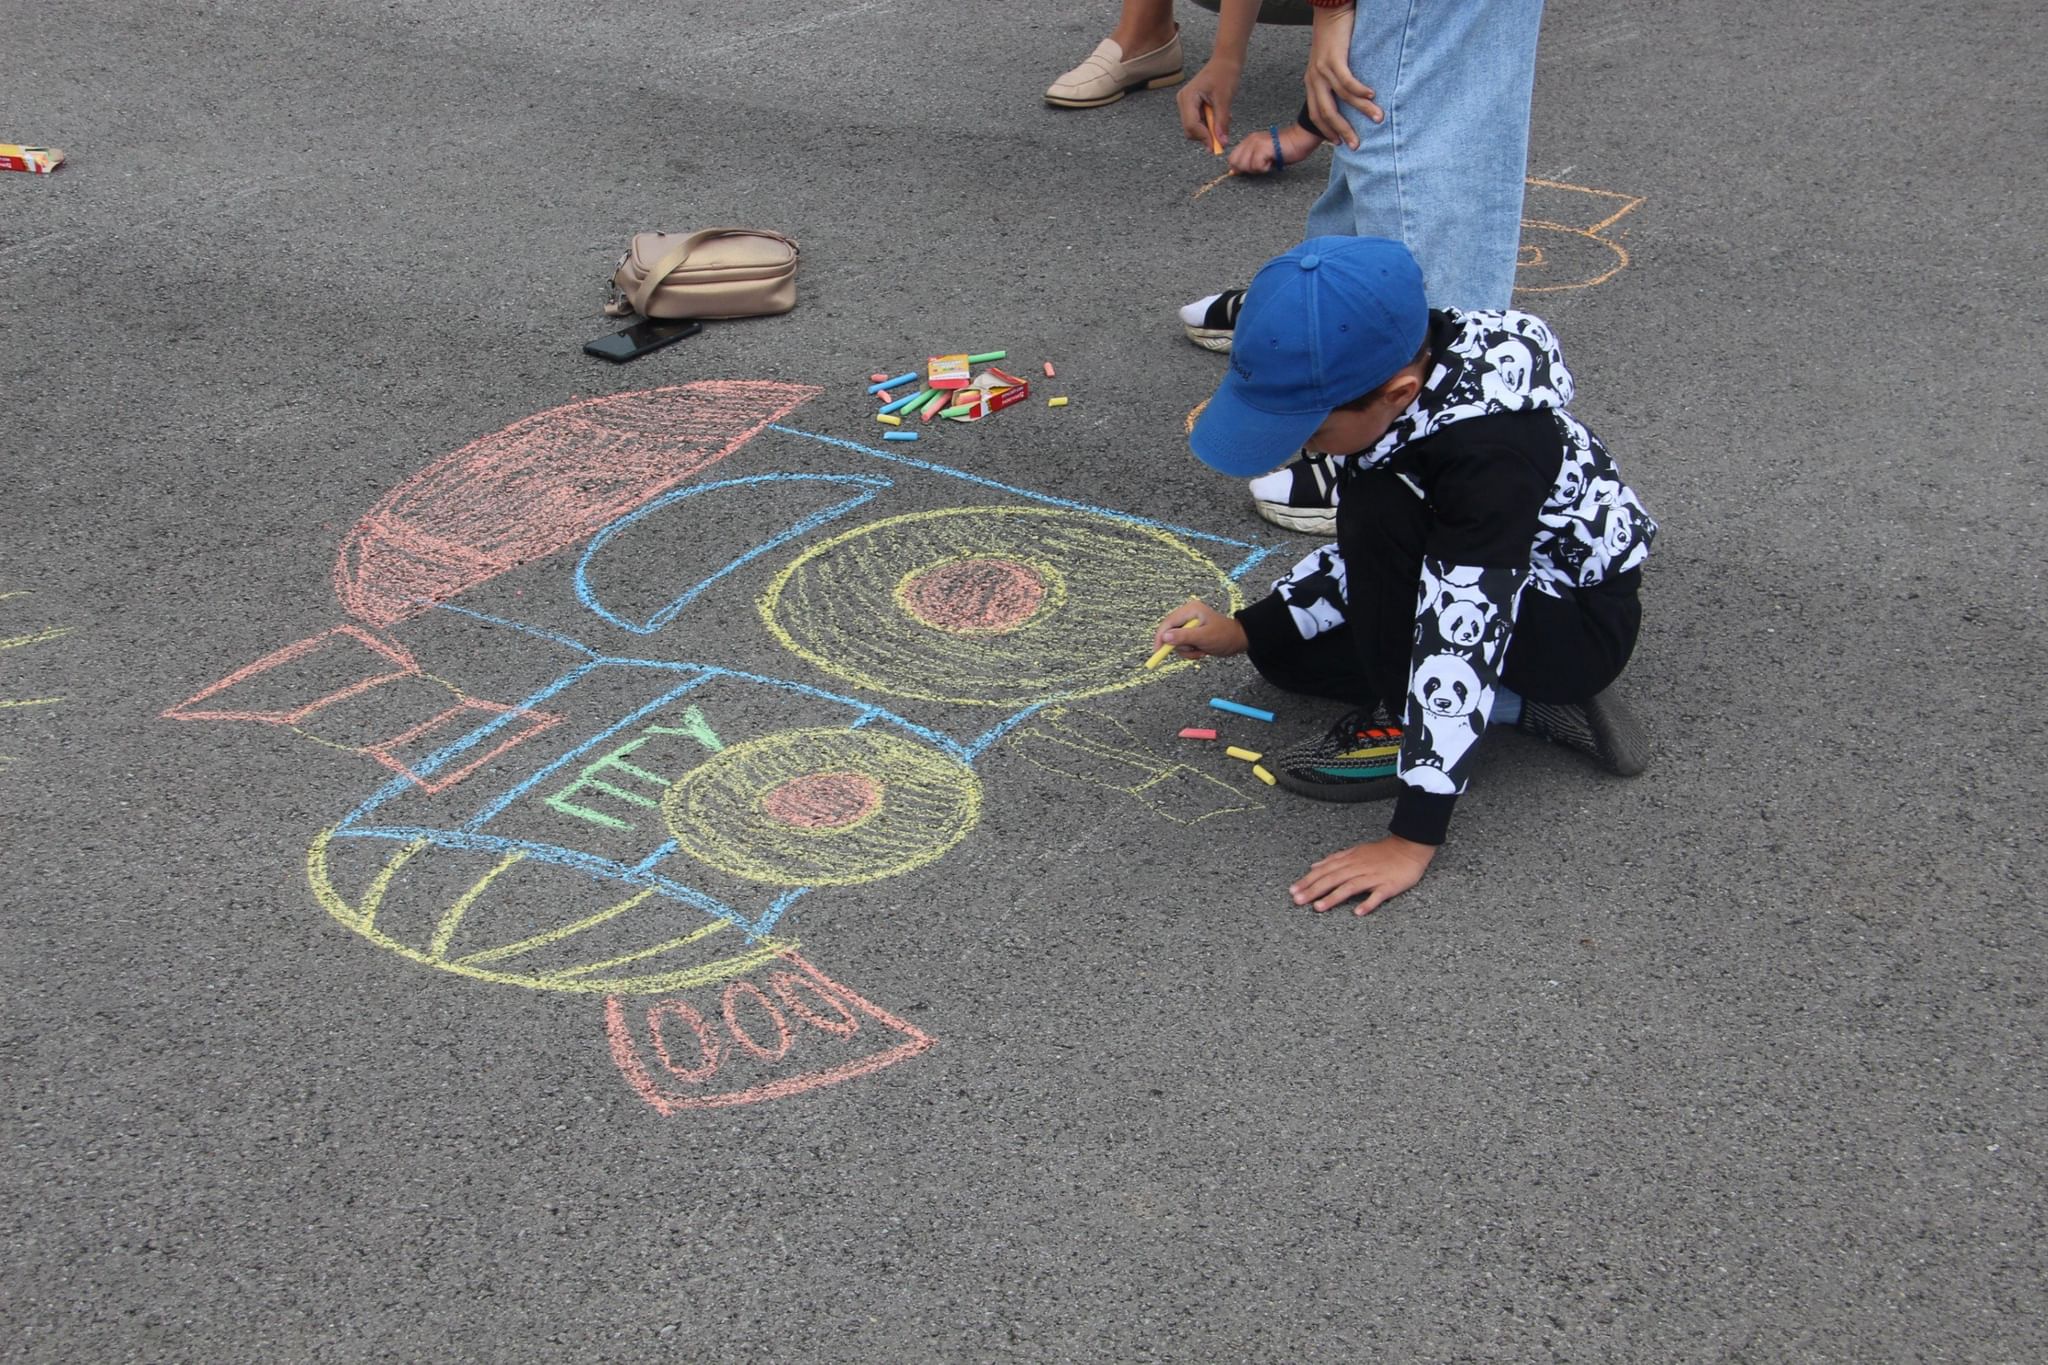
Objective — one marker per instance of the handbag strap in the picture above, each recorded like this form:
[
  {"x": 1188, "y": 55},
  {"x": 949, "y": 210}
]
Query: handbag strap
[{"x": 672, "y": 260}]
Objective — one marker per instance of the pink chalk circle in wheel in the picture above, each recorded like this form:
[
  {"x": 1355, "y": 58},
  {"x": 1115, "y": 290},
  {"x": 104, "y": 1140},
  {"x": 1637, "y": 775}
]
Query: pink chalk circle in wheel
[
  {"x": 824, "y": 800},
  {"x": 982, "y": 595}
]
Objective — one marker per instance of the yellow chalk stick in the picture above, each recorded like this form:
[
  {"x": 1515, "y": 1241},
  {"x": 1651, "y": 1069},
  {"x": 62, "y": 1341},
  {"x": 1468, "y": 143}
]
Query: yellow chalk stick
[
  {"x": 1159, "y": 654},
  {"x": 1247, "y": 755},
  {"x": 890, "y": 418},
  {"x": 1055, "y": 402},
  {"x": 1262, "y": 774}
]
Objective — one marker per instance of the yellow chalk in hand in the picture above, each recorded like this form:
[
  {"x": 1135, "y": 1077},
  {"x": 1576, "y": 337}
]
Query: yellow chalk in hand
[
  {"x": 1246, "y": 754},
  {"x": 1159, "y": 654},
  {"x": 1262, "y": 774}
]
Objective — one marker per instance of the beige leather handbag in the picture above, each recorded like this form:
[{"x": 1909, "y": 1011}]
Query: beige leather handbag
[{"x": 722, "y": 272}]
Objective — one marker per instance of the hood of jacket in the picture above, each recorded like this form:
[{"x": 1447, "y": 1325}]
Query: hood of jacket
[{"x": 1486, "y": 363}]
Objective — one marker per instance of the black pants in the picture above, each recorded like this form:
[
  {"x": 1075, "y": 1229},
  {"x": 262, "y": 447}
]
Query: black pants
[{"x": 1564, "y": 649}]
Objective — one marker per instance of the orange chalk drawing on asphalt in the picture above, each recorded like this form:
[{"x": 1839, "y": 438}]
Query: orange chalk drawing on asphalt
[
  {"x": 812, "y": 1020},
  {"x": 379, "y": 664},
  {"x": 539, "y": 486},
  {"x": 1565, "y": 241}
]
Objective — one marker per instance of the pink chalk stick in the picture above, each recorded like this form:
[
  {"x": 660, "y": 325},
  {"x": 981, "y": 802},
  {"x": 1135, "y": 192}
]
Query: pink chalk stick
[{"x": 1193, "y": 732}]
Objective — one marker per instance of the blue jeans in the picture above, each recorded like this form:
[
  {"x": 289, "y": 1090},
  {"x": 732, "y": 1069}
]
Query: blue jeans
[{"x": 1444, "y": 173}]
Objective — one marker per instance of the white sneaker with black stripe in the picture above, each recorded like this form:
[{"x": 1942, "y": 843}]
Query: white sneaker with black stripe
[
  {"x": 1210, "y": 321},
  {"x": 1301, "y": 496}
]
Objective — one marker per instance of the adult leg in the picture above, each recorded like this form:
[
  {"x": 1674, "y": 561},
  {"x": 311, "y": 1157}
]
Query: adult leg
[
  {"x": 1444, "y": 172},
  {"x": 1144, "y": 25}
]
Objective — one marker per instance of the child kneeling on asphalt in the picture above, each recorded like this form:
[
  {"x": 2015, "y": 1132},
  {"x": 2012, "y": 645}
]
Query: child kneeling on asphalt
[{"x": 1488, "y": 554}]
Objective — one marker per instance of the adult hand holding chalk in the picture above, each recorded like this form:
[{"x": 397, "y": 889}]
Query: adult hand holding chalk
[{"x": 1196, "y": 630}]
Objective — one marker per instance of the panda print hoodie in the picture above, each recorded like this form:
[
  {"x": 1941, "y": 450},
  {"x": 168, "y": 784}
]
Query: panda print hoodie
[{"x": 1480, "y": 554}]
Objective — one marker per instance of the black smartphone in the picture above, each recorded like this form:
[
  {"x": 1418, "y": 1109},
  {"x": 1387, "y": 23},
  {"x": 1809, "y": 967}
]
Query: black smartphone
[{"x": 648, "y": 334}]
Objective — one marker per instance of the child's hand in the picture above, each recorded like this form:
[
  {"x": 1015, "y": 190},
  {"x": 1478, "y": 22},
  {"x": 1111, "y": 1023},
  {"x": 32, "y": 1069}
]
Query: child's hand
[
  {"x": 1218, "y": 632},
  {"x": 1254, "y": 155},
  {"x": 1378, "y": 871}
]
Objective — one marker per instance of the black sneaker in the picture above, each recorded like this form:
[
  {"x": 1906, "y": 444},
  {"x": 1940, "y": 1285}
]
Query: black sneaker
[
  {"x": 1357, "y": 759},
  {"x": 1605, "y": 729},
  {"x": 1210, "y": 321},
  {"x": 1301, "y": 496}
]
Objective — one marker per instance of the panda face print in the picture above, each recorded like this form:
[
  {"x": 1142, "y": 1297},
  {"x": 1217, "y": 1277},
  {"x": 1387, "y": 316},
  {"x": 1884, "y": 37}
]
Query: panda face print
[
  {"x": 1463, "y": 616},
  {"x": 1507, "y": 379},
  {"x": 1571, "y": 483},
  {"x": 1463, "y": 623},
  {"x": 1446, "y": 686},
  {"x": 1619, "y": 532}
]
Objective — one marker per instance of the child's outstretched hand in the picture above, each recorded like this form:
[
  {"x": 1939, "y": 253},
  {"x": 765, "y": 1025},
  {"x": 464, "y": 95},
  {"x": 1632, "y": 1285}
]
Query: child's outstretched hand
[
  {"x": 1378, "y": 871},
  {"x": 1253, "y": 155},
  {"x": 1219, "y": 632}
]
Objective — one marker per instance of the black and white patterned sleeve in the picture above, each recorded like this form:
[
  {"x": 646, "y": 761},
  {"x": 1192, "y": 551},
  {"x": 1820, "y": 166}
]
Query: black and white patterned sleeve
[
  {"x": 1313, "y": 592},
  {"x": 1463, "y": 620}
]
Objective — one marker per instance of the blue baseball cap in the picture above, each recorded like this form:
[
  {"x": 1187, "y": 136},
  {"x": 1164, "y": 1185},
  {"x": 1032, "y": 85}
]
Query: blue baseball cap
[{"x": 1326, "y": 323}]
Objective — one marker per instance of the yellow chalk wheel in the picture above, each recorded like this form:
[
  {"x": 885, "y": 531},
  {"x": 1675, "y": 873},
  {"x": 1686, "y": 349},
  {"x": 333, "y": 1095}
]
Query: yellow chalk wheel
[
  {"x": 823, "y": 807},
  {"x": 988, "y": 606}
]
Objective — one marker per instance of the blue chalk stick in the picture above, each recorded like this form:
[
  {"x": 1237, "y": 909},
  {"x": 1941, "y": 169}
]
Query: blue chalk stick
[
  {"x": 1239, "y": 709},
  {"x": 912, "y": 436},
  {"x": 892, "y": 383},
  {"x": 905, "y": 401}
]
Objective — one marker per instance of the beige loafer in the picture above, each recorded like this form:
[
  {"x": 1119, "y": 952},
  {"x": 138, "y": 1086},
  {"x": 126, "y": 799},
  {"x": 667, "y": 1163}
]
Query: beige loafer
[{"x": 1106, "y": 77}]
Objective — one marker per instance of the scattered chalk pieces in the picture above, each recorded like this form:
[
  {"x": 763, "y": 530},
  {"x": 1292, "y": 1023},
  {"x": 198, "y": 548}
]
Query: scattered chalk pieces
[
  {"x": 889, "y": 418},
  {"x": 1055, "y": 402},
  {"x": 878, "y": 379},
  {"x": 1049, "y": 371},
  {"x": 886, "y": 396},
  {"x": 910, "y": 401},
  {"x": 899, "y": 436},
  {"x": 1262, "y": 774},
  {"x": 986, "y": 356},
  {"x": 1197, "y": 732},
  {"x": 890, "y": 383},
  {"x": 1237, "y": 708},
  {"x": 1248, "y": 755}
]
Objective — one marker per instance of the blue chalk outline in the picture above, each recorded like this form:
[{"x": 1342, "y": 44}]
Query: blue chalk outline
[
  {"x": 471, "y": 834},
  {"x": 588, "y": 597}
]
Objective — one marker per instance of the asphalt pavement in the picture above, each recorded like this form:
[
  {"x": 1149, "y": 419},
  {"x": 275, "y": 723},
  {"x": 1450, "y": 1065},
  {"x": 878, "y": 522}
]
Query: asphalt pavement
[{"x": 542, "y": 975}]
